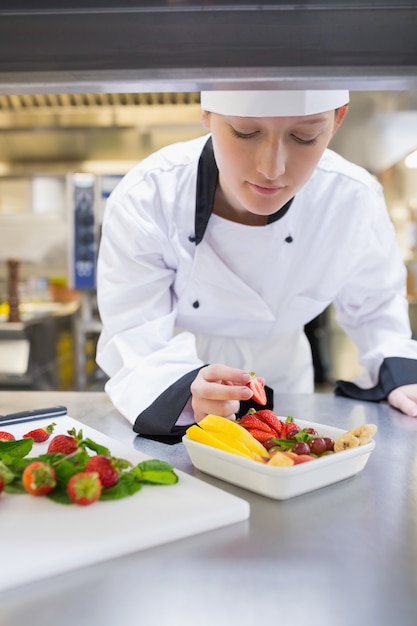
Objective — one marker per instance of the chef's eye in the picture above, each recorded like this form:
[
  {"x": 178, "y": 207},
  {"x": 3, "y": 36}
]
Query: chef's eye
[
  {"x": 240, "y": 135},
  {"x": 305, "y": 142}
]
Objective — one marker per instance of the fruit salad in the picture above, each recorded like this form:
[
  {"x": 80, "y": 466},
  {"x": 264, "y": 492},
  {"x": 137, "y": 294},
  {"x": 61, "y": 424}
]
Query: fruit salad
[{"x": 265, "y": 438}]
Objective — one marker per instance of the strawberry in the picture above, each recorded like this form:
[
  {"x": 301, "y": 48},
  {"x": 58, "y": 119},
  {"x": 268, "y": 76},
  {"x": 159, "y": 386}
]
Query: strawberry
[
  {"x": 40, "y": 434},
  {"x": 268, "y": 417},
  {"x": 252, "y": 421},
  {"x": 84, "y": 488},
  {"x": 39, "y": 478},
  {"x": 289, "y": 426},
  {"x": 260, "y": 435},
  {"x": 1, "y": 483},
  {"x": 292, "y": 429},
  {"x": 257, "y": 385},
  {"x": 101, "y": 464},
  {"x": 63, "y": 444},
  {"x": 5, "y": 436}
]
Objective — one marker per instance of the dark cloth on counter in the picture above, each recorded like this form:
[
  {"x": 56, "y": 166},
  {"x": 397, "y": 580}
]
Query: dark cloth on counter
[{"x": 394, "y": 372}]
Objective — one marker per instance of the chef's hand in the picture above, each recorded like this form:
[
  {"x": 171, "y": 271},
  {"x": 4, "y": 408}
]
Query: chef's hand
[
  {"x": 405, "y": 399},
  {"x": 219, "y": 389}
]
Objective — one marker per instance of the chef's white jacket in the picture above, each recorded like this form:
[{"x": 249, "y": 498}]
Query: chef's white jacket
[{"x": 179, "y": 287}]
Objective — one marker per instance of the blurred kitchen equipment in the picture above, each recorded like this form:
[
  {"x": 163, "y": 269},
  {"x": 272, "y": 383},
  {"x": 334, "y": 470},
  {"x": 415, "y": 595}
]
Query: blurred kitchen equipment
[{"x": 13, "y": 295}]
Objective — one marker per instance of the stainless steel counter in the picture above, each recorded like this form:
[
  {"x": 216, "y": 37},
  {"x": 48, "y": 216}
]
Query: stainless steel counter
[{"x": 345, "y": 555}]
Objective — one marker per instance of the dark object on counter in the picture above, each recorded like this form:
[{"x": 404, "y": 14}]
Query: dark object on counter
[
  {"x": 34, "y": 414},
  {"x": 13, "y": 270}
]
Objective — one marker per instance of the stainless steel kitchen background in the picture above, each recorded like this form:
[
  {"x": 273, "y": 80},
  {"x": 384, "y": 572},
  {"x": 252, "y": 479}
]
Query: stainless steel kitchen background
[{"x": 92, "y": 86}]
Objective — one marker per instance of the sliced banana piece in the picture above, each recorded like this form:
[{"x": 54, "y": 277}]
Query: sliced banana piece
[
  {"x": 355, "y": 437},
  {"x": 365, "y": 433},
  {"x": 346, "y": 441}
]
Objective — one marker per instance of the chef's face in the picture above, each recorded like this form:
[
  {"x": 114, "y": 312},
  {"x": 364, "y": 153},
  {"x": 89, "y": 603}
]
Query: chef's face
[{"x": 264, "y": 161}]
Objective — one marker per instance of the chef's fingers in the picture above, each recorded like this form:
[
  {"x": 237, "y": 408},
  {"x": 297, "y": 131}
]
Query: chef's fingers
[
  {"x": 211, "y": 388},
  {"x": 214, "y": 398},
  {"x": 214, "y": 408},
  {"x": 405, "y": 399},
  {"x": 218, "y": 389},
  {"x": 217, "y": 372}
]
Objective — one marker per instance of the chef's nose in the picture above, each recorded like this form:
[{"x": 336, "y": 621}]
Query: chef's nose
[{"x": 271, "y": 160}]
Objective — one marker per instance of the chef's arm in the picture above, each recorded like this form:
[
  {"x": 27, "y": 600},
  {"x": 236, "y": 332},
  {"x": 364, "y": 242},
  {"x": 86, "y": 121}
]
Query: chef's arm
[
  {"x": 393, "y": 373},
  {"x": 372, "y": 309}
]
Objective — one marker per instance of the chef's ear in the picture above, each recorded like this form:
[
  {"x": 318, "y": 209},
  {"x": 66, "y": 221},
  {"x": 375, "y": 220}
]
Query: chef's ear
[
  {"x": 205, "y": 118},
  {"x": 339, "y": 117}
]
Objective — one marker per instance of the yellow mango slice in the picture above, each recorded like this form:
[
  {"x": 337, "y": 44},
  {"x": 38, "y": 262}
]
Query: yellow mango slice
[
  {"x": 217, "y": 424},
  {"x": 195, "y": 433}
]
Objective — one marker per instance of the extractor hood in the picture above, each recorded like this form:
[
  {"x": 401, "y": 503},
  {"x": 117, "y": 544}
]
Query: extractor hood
[{"x": 60, "y": 132}]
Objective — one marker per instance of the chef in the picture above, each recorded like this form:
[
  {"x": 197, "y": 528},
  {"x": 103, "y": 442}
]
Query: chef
[{"x": 216, "y": 252}]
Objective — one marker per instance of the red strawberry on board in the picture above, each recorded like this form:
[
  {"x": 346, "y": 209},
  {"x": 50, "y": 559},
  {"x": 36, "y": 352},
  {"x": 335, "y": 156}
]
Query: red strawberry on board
[
  {"x": 40, "y": 434},
  {"x": 39, "y": 478},
  {"x": 62, "y": 444},
  {"x": 257, "y": 385},
  {"x": 84, "y": 488},
  {"x": 5, "y": 436},
  {"x": 105, "y": 469}
]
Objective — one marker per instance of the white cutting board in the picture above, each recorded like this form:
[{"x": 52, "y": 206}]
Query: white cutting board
[{"x": 39, "y": 538}]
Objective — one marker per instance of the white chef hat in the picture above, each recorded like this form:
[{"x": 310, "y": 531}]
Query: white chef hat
[{"x": 268, "y": 103}]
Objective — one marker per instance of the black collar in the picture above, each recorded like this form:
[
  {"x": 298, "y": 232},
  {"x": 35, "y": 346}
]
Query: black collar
[{"x": 207, "y": 177}]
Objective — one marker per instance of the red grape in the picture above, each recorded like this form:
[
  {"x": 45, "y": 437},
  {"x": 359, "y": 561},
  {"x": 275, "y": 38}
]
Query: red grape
[
  {"x": 301, "y": 448},
  {"x": 317, "y": 445}
]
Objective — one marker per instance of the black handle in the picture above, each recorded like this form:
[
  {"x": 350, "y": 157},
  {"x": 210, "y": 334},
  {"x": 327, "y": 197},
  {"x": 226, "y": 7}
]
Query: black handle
[{"x": 35, "y": 414}]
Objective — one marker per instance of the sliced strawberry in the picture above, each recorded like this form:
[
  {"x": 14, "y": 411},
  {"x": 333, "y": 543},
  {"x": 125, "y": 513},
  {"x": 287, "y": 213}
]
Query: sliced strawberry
[
  {"x": 5, "y": 436},
  {"x": 257, "y": 385},
  {"x": 268, "y": 417},
  {"x": 40, "y": 434},
  {"x": 251, "y": 421},
  {"x": 260, "y": 435}
]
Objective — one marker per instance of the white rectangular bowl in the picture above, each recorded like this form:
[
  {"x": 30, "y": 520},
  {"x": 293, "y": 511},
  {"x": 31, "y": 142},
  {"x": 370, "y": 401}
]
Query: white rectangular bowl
[{"x": 281, "y": 483}]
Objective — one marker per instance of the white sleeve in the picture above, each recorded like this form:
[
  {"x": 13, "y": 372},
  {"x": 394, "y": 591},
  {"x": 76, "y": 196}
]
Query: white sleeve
[
  {"x": 138, "y": 348},
  {"x": 372, "y": 307}
]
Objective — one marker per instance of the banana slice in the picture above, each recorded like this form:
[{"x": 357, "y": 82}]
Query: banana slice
[
  {"x": 365, "y": 433},
  {"x": 346, "y": 441},
  {"x": 355, "y": 437}
]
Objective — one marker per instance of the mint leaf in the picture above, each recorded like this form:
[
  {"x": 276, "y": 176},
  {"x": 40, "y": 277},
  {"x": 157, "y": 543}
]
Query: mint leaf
[
  {"x": 15, "y": 486},
  {"x": 96, "y": 447},
  {"x": 59, "y": 495},
  {"x": 6, "y": 473},
  {"x": 65, "y": 470},
  {"x": 156, "y": 472},
  {"x": 126, "y": 486},
  {"x": 17, "y": 448}
]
